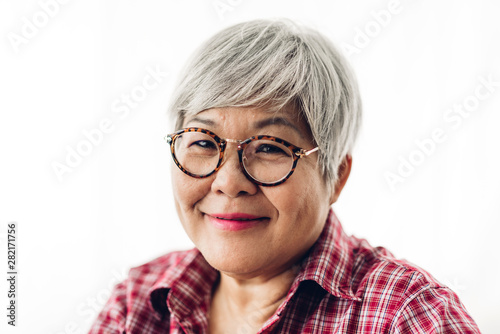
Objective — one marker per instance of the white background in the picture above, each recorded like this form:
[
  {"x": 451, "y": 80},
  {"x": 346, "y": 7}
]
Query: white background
[{"x": 77, "y": 236}]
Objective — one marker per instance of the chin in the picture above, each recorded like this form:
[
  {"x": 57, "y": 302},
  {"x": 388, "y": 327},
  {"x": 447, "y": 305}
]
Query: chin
[{"x": 229, "y": 260}]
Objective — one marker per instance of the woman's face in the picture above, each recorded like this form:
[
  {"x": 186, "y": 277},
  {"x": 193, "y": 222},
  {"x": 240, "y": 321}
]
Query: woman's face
[{"x": 285, "y": 220}]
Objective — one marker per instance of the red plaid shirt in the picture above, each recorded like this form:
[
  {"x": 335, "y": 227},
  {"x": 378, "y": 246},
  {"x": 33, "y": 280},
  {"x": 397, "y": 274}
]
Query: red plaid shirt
[{"x": 343, "y": 286}]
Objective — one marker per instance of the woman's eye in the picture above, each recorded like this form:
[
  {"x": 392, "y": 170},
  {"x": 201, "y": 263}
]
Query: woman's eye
[
  {"x": 204, "y": 144},
  {"x": 270, "y": 149}
]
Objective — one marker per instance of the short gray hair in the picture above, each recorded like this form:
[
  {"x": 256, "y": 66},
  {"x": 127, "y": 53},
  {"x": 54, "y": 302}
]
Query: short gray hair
[{"x": 276, "y": 63}]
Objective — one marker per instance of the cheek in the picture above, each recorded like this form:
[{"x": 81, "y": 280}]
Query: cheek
[
  {"x": 304, "y": 194},
  {"x": 187, "y": 191},
  {"x": 289, "y": 199}
]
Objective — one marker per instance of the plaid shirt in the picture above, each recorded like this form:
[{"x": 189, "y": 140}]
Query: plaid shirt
[{"x": 342, "y": 286}]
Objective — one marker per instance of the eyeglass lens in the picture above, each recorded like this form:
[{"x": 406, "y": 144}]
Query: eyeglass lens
[{"x": 264, "y": 160}]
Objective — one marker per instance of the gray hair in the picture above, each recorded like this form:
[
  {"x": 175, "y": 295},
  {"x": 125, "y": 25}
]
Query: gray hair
[{"x": 276, "y": 64}]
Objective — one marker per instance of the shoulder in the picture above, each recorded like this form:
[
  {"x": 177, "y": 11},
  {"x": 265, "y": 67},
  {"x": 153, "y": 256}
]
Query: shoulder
[
  {"x": 129, "y": 303},
  {"x": 378, "y": 271},
  {"x": 158, "y": 274},
  {"x": 408, "y": 295}
]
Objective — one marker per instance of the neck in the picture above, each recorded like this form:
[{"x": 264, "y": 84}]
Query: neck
[
  {"x": 258, "y": 291},
  {"x": 251, "y": 300}
]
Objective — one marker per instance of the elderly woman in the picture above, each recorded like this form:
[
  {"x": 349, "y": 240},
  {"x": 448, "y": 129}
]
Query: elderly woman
[{"x": 266, "y": 116}]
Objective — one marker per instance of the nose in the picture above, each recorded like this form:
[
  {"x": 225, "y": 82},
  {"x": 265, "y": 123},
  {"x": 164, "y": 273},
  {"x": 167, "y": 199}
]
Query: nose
[{"x": 230, "y": 178}]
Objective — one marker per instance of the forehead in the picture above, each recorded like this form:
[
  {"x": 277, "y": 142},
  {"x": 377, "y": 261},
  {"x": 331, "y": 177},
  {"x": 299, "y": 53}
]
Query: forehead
[{"x": 250, "y": 118}]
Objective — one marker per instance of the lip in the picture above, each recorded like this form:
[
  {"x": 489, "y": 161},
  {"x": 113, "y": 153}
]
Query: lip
[{"x": 236, "y": 221}]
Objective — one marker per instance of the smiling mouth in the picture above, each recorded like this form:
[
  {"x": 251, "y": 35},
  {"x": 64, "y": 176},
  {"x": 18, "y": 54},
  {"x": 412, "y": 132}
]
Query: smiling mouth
[
  {"x": 240, "y": 216},
  {"x": 235, "y": 221},
  {"x": 241, "y": 219}
]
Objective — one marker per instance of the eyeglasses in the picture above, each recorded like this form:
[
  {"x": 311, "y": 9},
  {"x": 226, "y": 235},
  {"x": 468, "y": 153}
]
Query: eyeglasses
[{"x": 265, "y": 160}]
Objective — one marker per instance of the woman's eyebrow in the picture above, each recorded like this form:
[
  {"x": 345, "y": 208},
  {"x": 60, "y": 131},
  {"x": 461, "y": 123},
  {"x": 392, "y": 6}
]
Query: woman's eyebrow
[
  {"x": 201, "y": 120},
  {"x": 276, "y": 121},
  {"x": 258, "y": 125}
]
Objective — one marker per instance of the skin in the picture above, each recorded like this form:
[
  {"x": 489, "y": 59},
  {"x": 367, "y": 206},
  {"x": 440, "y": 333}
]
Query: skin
[{"x": 255, "y": 264}]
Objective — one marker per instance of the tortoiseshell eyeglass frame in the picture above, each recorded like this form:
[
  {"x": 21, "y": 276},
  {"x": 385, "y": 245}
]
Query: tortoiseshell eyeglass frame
[{"x": 242, "y": 144}]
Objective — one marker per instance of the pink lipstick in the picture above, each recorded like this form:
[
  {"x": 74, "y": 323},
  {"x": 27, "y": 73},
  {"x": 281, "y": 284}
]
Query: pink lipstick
[{"x": 234, "y": 221}]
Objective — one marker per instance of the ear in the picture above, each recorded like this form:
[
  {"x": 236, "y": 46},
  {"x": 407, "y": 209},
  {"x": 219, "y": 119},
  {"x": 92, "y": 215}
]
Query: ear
[{"x": 342, "y": 176}]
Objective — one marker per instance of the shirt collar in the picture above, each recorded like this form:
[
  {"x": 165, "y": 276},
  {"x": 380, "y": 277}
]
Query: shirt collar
[
  {"x": 184, "y": 286},
  {"x": 330, "y": 261},
  {"x": 188, "y": 285}
]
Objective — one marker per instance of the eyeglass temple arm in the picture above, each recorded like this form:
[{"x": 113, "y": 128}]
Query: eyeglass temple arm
[{"x": 304, "y": 153}]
